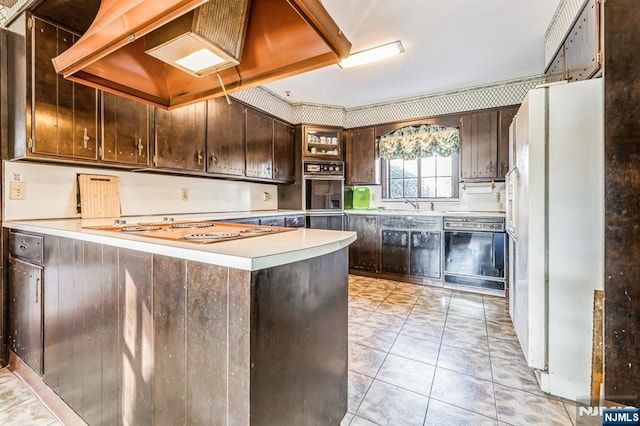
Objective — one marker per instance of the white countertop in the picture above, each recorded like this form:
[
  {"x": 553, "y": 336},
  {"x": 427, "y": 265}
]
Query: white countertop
[
  {"x": 247, "y": 254},
  {"x": 412, "y": 212}
]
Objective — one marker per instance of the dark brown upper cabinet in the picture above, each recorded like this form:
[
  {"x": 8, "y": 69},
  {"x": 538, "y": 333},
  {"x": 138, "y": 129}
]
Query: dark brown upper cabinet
[
  {"x": 505, "y": 117},
  {"x": 180, "y": 138},
  {"x": 579, "y": 55},
  {"x": 361, "y": 157},
  {"x": 61, "y": 115},
  {"x": 259, "y": 144},
  {"x": 225, "y": 137},
  {"x": 125, "y": 131},
  {"x": 479, "y": 145},
  {"x": 283, "y": 152}
]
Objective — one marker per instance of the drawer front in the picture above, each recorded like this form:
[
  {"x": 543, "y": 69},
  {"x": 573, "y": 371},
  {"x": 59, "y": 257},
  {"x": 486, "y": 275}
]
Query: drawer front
[{"x": 26, "y": 246}]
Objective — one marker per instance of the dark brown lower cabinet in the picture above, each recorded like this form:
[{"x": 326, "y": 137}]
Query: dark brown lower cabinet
[
  {"x": 25, "y": 312},
  {"x": 136, "y": 338},
  {"x": 395, "y": 251},
  {"x": 363, "y": 253}
]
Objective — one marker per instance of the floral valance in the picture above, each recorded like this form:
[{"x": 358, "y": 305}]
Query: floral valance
[{"x": 411, "y": 142}]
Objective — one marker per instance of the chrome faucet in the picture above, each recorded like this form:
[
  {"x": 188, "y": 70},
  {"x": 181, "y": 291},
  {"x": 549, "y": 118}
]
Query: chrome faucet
[{"x": 413, "y": 203}]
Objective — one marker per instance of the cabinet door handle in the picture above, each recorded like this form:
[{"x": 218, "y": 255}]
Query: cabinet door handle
[
  {"x": 199, "y": 157},
  {"x": 140, "y": 147},
  {"x": 214, "y": 159},
  {"x": 85, "y": 138},
  {"x": 37, "y": 288}
]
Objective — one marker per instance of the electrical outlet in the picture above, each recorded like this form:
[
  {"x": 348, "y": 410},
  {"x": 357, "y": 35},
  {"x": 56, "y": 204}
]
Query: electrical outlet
[
  {"x": 18, "y": 191},
  {"x": 266, "y": 196},
  {"x": 184, "y": 194},
  {"x": 498, "y": 197}
]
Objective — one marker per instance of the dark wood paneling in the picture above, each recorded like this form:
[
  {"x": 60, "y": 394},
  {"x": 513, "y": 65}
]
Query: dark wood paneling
[
  {"x": 92, "y": 336},
  {"x": 77, "y": 325},
  {"x": 239, "y": 375},
  {"x": 207, "y": 337},
  {"x": 180, "y": 137},
  {"x": 622, "y": 192},
  {"x": 299, "y": 342},
  {"x": 169, "y": 334},
  {"x": 259, "y": 144},
  {"x": 64, "y": 325},
  {"x": 53, "y": 333},
  {"x": 110, "y": 332},
  {"x": 136, "y": 346},
  {"x": 283, "y": 152},
  {"x": 225, "y": 137}
]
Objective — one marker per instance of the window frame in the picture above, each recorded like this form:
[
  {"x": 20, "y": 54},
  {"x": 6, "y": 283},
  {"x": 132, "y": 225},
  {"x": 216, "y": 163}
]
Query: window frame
[{"x": 455, "y": 182}]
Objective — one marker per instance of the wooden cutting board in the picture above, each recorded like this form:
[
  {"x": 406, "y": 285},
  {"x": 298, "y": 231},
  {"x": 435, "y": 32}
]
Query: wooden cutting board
[{"x": 99, "y": 196}]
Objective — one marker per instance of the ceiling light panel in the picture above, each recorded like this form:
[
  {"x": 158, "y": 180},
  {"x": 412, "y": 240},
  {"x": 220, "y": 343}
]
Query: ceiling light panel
[{"x": 374, "y": 54}]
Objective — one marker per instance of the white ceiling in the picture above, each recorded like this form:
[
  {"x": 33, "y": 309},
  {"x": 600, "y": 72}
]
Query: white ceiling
[{"x": 449, "y": 44}]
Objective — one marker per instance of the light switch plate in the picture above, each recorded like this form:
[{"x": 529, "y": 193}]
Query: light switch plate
[{"x": 18, "y": 191}]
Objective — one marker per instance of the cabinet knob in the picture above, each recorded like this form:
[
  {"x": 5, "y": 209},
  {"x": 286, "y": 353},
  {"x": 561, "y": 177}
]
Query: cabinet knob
[
  {"x": 199, "y": 157},
  {"x": 214, "y": 159}
]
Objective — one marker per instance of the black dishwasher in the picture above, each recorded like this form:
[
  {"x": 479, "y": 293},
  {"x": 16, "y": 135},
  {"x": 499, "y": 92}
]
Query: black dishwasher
[{"x": 411, "y": 245}]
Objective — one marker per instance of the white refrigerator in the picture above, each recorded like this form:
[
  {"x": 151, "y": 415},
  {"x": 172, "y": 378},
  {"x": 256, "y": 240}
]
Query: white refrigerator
[{"x": 555, "y": 219}]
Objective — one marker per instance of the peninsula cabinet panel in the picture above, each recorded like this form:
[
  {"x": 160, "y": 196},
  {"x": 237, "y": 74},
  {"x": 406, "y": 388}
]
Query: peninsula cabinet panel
[
  {"x": 259, "y": 144},
  {"x": 64, "y": 117},
  {"x": 125, "y": 131},
  {"x": 169, "y": 333},
  {"x": 135, "y": 345},
  {"x": 180, "y": 138},
  {"x": 207, "y": 361},
  {"x": 479, "y": 146},
  {"x": 362, "y": 160},
  {"x": 225, "y": 137},
  {"x": 137, "y": 338},
  {"x": 283, "y": 152}
]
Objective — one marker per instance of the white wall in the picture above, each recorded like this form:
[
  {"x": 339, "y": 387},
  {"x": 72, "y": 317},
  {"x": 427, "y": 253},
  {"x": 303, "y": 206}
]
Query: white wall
[{"x": 51, "y": 192}]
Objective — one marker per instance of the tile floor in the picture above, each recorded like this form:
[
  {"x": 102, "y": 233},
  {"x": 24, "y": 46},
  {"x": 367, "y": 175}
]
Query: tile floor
[
  {"x": 417, "y": 356},
  {"x": 18, "y": 406},
  {"x": 429, "y": 356}
]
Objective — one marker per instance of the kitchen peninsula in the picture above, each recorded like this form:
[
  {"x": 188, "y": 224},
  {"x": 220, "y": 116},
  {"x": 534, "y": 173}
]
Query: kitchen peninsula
[{"x": 147, "y": 331}]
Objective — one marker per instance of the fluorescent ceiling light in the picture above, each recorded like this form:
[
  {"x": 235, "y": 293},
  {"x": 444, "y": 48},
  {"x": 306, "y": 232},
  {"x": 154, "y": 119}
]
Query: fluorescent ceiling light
[
  {"x": 200, "y": 60},
  {"x": 372, "y": 55}
]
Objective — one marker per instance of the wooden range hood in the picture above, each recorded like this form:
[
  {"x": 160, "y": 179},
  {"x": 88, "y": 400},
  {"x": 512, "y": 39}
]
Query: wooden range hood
[{"x": 283, "y": 38}]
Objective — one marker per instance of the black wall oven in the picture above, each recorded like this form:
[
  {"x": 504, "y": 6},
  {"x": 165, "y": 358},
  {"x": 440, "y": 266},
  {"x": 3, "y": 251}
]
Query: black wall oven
[
  {"x": 475, "y": 254},
  {"x": 324, "y": 194}
]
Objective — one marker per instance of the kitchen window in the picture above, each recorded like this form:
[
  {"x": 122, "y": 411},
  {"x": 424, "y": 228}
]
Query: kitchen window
[{"x": 426, "y": 177}]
